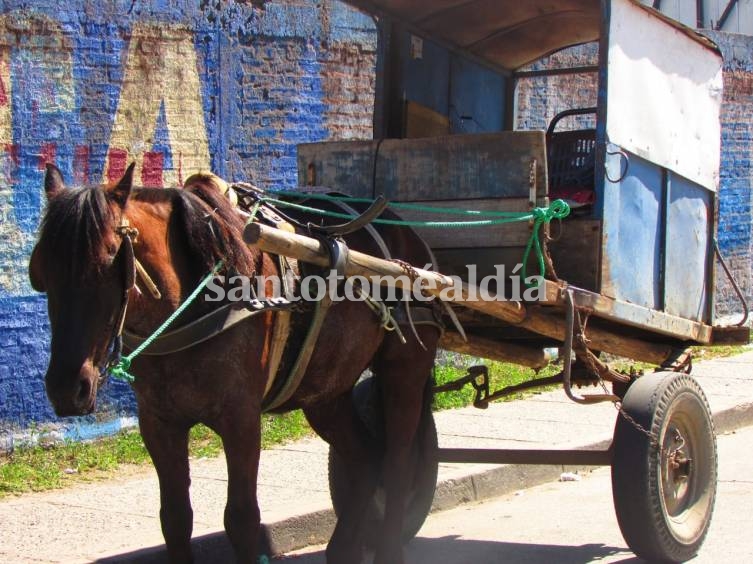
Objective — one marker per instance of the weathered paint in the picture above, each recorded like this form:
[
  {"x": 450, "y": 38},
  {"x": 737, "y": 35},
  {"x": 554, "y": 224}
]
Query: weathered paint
[
  {"x": 175, "y": 86},
  {"x": 663, "y": 97},
  {"x": 656, "y": 246},
  {"x": 632, "y": 231},
  {"x": 688, "y": 249}
]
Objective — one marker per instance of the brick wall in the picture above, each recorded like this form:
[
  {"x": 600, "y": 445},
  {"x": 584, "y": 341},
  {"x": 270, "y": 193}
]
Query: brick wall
[
  {"x": 542, "y": 98},
  {"x": 736, "y": 175},
  {"x": 175, "y": 86}
]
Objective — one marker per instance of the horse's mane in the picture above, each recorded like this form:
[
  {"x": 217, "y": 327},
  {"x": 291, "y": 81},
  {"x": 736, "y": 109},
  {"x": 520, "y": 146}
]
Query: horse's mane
[
  {"x": 213, "y": 228},
  {"x": 77, "y": 220},
  {"x": 74, "y": 225}
]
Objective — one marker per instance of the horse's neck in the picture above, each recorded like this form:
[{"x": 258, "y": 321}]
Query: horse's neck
[
  {"x": 174, "y": 272},
  {"x": 153, "y": 250}
]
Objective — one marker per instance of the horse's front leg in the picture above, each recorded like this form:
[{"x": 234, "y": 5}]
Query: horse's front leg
[
  {"x": 168, "y": 446},
  {"x": 241, "y": 437},
  {"x": 404, "y": 371}
]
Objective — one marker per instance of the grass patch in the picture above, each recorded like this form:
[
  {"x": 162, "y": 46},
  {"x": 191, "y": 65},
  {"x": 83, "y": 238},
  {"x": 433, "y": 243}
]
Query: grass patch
[
  {"x": 36, "y": 468},
  {"x": 39, "y": 468}
]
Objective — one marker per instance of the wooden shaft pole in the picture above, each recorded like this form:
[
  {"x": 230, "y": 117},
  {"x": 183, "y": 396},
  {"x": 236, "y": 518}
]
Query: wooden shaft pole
[
  {"x": 310, "y": 250},
  {"x": 488, "y": 348},
  {"x": 551, "y": 325}
]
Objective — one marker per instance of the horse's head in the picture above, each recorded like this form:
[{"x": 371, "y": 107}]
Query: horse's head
[{"x": 83, "y": 265}]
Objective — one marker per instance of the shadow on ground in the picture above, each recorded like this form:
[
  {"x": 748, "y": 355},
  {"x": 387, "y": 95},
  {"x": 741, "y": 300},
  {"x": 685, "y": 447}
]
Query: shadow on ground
[{"x": 215, "y": 548}]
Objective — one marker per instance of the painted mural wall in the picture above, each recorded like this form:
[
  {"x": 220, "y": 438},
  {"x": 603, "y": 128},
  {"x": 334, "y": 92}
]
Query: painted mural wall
[{"x": 176, "y": 86}]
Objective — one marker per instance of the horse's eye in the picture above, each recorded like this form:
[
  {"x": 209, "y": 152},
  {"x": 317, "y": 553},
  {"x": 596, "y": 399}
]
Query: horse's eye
[{"x": 112, "y": 250}]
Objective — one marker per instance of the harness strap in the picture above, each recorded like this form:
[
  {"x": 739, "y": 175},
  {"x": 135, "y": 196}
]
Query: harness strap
[
  {"x": 370, "y": 229},
  {"x": 282, "y": 325},
  {"x": 304, "y": 356},
  {"x": 204, "y": 328}
]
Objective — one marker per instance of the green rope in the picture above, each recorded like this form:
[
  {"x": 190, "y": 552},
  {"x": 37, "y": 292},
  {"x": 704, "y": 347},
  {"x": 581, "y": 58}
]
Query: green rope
[
  {"x": 120, "y": 370},
  {"x": 557, "y": 210},
  {"x": 399, "y": 205},
  {"x": 523, "y": 216}
]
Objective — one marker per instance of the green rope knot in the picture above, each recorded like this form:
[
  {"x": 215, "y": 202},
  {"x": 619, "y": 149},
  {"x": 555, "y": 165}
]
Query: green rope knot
[
  {"x": 558, "y": 209},
  {"x": 120, "y": 370}
]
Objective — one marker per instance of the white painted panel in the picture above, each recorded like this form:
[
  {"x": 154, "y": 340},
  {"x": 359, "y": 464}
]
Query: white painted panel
[{"x": 664, "y": 94}]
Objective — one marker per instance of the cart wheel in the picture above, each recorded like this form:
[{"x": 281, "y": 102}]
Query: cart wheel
[
  {"x": 664, "y": 497},
  {"x": 421, "y": 494}
]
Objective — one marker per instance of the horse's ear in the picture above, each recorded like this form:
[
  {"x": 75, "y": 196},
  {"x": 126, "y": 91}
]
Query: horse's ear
[
  {"x": 120, "y": 192},
  {"x": 53, "y": 181}
]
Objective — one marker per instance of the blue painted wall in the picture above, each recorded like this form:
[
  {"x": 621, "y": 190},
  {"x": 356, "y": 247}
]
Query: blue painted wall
[{"x": 268, "y": 78}]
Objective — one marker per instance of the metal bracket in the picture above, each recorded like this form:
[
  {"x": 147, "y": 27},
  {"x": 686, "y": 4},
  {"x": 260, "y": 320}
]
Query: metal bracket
[
  {"x": 567, "y": 362},
  {"x": 478, "y": 377}
]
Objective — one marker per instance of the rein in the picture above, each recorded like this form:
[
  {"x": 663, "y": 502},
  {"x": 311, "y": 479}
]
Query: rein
[
  {"x": 120, "y": 368},
  {"x": 128, "y": 236}
]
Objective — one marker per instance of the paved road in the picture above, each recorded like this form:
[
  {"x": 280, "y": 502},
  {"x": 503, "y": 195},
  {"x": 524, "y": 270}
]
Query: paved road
[{"x": 574, "y": 522}]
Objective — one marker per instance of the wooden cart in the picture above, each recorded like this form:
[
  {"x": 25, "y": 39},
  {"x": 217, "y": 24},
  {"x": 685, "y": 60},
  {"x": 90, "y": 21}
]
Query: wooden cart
[{"x": 630, "y": 272}]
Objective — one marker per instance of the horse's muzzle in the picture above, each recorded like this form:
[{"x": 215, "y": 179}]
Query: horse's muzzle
[{"x": 74, "y": 397}]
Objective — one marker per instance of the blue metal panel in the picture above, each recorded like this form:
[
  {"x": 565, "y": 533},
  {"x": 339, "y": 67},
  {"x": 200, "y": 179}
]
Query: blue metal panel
[
  {"x": 477, "y": 98},
  {"x": 686, "y": 274},
  {"x": 472, "y": 96},
  {"x": 632, "y": 241},
  {"x": 425, "y": 73}
]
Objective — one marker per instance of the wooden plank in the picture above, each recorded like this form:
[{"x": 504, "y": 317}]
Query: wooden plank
[
  {"x": 494, "y": 350},
  {"x": 642, "y": 317},
  {"x": 484, "y": 165},
  {"x": 575, "y": 251}
]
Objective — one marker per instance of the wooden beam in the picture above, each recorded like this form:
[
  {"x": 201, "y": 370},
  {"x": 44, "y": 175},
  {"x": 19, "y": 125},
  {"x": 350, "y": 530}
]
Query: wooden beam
[
  {"x": 551, "y": 325},
  {"x": 494, "y": 350},
  {"x": 310, "y": 250}
]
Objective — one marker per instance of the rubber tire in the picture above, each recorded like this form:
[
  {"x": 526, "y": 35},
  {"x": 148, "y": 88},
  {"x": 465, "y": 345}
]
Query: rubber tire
[
  {"x": 422, "y": 493},
  {"x": 658, "y": 402}
]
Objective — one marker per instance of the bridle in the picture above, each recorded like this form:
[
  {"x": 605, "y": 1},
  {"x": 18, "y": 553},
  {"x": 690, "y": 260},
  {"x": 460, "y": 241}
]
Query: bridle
[{"x": 131, "y": 268}]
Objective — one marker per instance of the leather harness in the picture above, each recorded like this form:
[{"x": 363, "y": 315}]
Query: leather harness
[{"x": 284, "y": 372}]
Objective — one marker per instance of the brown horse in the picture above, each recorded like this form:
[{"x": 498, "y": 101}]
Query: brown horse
[{"x": 81, "y": 262}]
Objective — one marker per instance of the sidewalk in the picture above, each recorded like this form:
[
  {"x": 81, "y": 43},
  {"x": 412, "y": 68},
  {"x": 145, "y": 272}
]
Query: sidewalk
[{"x": 117, "y": 520}]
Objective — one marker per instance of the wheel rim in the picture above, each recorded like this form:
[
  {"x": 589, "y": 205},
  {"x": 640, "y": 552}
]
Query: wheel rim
[{"x": 685, "y": 474}]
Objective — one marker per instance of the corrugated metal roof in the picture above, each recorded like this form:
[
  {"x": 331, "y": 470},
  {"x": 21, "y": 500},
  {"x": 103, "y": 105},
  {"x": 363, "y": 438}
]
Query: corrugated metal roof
[{"x": 504, "y": 33}]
